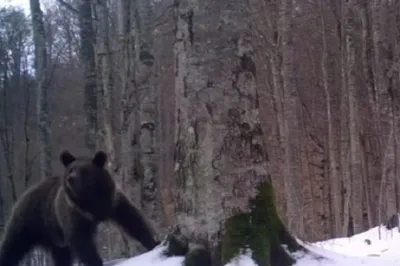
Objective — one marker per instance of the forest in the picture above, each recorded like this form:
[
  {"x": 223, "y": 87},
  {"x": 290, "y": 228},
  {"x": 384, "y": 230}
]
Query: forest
[{"x": 198, "y": 104}]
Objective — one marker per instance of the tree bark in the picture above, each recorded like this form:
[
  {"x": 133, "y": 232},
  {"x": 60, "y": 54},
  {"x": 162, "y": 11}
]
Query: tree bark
[
  {"x": 87, "y": 38},
  {"x": 334, "y": 177},
  {"x": 220, "y": 186},
  {"x": 7, "y": 124},
  {"x": 382, "y": 50},
  {"x": 355, "y": 149},
  {"x": 41, "y": 73},
  {"x": 344, "y": 124},
  {"x": 291, "y": 134},
  {"x": 367, "y": 62},
  {"x": 396, "y": 21},
  {"x": 149, "y": 151},
  {"x": 129, "y": 108},
  {"x": 107, "y": 82}
]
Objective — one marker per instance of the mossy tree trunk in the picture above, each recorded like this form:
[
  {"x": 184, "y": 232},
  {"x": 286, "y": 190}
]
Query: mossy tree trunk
[
  {"x": 223, "y": 196},
  {"x": 259, "y": 230}
]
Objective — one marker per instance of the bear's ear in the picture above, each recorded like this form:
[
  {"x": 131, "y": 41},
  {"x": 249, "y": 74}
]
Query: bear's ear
[
  {"x": 66, "y": 158},
  {"x": 100, "y": 159}
]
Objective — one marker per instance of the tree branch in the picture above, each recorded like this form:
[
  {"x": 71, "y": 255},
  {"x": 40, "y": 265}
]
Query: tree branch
[{"x": 68, "y": 6}]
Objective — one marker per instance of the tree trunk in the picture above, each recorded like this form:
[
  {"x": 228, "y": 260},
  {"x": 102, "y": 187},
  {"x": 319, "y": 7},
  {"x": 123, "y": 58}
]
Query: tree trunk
[
  {"x": 2, "y": 216},
  {"x": 128, "y": 113},
  {"x": 87, "y": 38},
  {"x": 344, "y": 125},
  {"x": 291, "y": 135},
  {"x": 396, "y": 21},
  {"x": 367, "y": 62},
  {"x": 383, "y": 53},
  {"x": 355, "y": 149},
  {"x": 221, "y": 190},
  {"x": 41, "y": 72},
  {"x": 334, "y": 177},
  {"x": 108, "y": 92},
  {"x": 149, "y": 152},
  {"x": 126, "y": 46},
  {"x": 7, "y": 125}
]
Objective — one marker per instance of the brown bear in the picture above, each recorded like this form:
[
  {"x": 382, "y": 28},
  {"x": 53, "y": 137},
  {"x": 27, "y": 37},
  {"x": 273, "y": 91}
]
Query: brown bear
[{"x": 61, "y": 214}]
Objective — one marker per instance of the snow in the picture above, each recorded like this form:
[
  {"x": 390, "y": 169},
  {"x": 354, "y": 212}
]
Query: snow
[
  {"x": 242, "y": 260},
  {"x": 24, "y": 4},
  {"x": 153, "y": 258},
  {"x": 375, "y": 247},
  {"x": 354, "y": 251}
]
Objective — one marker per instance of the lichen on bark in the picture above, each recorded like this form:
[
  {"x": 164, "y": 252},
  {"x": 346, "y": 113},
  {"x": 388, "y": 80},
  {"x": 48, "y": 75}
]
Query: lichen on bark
[{"x": 261, "y": 231}]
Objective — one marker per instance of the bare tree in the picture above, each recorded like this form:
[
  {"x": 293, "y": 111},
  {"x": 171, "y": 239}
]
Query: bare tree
[
  {"x": 7, "y": 129},
  {"x": 42, "y": 81},
  {"x": 355, "y": 150},
  {"x": 367, "y": 62},
  {"x": 41, "y": 72},
  {"x": 15, "y": 39},
  {"x": 107, "y": 82},
  {"x": 87, "y": 53},
  {"x": 335, "y": 179}
]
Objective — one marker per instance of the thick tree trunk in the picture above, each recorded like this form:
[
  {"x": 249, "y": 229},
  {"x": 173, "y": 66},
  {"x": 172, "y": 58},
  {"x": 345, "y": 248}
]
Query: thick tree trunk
[
  {"x": 41, "y": 72},
  {"x": 221, "y": 190}
]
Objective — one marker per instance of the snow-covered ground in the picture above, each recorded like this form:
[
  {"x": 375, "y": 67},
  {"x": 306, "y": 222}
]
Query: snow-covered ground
[
  {"x": 366, "y": 249},
  {"x": 375, "y": 247}
]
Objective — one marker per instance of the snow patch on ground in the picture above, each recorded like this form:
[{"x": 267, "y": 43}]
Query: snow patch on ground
[
  {"x": 375, "y": 247},
  {"x": 154, "y": 257}
]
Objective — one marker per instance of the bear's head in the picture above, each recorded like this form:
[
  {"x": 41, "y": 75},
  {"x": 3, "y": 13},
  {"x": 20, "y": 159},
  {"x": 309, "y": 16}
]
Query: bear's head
[{"x": 87, "y": 182}]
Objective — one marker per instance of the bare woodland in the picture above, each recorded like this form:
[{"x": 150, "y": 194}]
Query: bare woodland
[{"x": 199, "y": 102}]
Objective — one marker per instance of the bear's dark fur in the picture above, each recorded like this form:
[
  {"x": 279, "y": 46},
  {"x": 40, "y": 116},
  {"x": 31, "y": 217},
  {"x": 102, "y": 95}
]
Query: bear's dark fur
[{"x": 61, "y": 214}]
